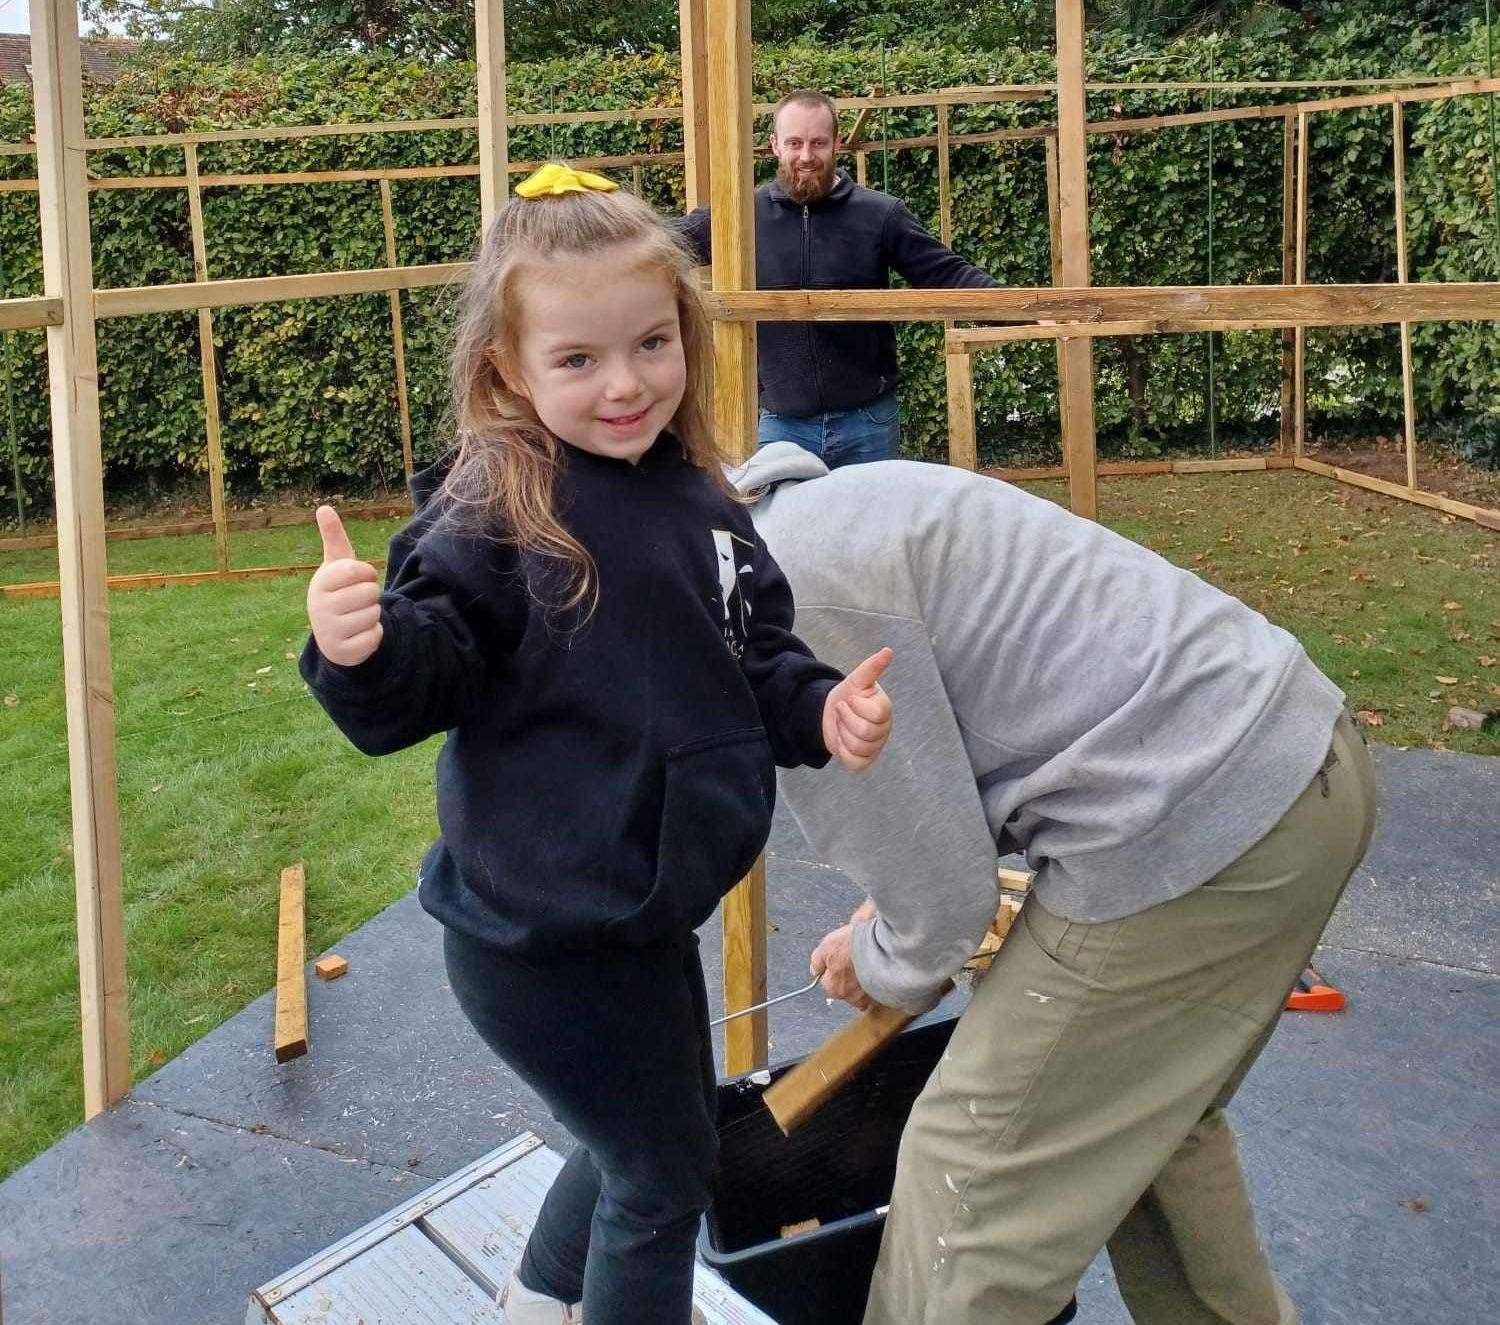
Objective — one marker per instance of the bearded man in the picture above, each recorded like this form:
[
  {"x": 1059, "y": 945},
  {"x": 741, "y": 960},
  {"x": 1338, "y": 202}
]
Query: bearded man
[{"x": 830, "y": 387}]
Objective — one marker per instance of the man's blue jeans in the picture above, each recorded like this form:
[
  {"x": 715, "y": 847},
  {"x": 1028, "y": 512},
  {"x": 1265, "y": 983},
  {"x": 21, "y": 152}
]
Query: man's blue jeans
[{"x": 841, "y": 437}]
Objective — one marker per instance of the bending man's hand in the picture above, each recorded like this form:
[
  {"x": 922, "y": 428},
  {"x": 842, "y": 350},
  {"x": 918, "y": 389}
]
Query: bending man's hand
[{"x": 833, "y": 961}]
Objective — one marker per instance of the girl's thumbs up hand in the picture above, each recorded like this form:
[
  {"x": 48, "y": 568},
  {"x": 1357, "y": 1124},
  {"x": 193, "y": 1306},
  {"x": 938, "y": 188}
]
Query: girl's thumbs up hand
[
  {"x": 857, "y": 714},
  {"x": 343, "y": 599}
]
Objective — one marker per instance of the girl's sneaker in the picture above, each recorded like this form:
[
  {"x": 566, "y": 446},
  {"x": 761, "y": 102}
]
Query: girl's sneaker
[{"x": 523, "y": 1306}]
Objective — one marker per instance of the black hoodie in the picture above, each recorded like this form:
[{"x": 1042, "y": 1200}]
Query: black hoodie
[
  {"x": 853, "y": 238},
  {"x": 605, "y": 781}
]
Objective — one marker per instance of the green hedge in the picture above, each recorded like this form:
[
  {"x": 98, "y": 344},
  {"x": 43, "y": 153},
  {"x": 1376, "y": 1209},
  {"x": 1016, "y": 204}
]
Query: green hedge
[{"x": 307, "y": 389}]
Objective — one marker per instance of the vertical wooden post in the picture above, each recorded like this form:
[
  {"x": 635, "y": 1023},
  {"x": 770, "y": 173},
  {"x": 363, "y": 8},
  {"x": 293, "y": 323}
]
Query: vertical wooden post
[
  {"x": 494, "y": 150},
  {"x": 963, "y": 449},
  {"x": 1054, "y": 240},
  {"x": 1288, "y": 275},
  {"x": 209, "y": 365},
  {"x": 1299, "y": 364},
  {"x": 1408, "y": 395},
  {"x": 1073, "y": 205},
  {"x": 945, "y": 180},
  {"x": 398, "y": 330},
  {"x": 73, "y": 377},
  {"x": 735, "y": 408},
  {"x": 693, "y": 42},
  {"x": 861, "y": 168}
]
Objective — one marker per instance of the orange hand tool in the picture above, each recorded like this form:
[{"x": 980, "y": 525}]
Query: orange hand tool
[{"x": 1312, "y": 993}]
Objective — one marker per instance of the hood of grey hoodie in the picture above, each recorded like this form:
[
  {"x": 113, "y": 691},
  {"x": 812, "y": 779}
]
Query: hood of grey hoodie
[{"x": 779, "y": 462}]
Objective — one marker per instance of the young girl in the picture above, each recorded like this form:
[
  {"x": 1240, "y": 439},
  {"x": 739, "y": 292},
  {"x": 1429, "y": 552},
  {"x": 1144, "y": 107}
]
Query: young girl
[{"x": 585, "y": 609}]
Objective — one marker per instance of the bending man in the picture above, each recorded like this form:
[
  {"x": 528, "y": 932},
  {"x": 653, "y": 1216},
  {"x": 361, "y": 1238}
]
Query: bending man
[{"x": 1192, "y": 798}]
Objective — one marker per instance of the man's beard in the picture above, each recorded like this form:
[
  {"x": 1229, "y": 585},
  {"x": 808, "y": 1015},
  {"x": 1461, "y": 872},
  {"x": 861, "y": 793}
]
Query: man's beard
[{"x": 805, "y": 185}]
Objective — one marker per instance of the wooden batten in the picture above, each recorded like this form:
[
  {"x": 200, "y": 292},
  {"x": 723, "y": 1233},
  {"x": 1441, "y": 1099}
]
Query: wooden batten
[
  {"x": 1486, "y": 516},
  {"x": 693, "y": 43},
  {"x": 1299, "y": 342},
  {"x": 134, "y": 301},
  {"x": 263, "y": 519},
  {"x": 1288, "y": 277},
  {"x": 797, "y": 1095},
  {"x": 152, "y": 580},
  {"x": 1073, "y": 209},
  {"x": 494, "y": 151},
  {"x": 962, "y": 443},
  {"x": 945, "y": 181},
  {"x": 290, "y": 1040},
  {"x": 208, "y": 365},
  {"x": 30, "y": 314},
  {"x": 73, "y": 378},
  {"x": 727, "y": 68},
  {"x": 398, "y": 332},
  {"x": 1243, "y": 305},
  {"x": 1408, "y": 395}
]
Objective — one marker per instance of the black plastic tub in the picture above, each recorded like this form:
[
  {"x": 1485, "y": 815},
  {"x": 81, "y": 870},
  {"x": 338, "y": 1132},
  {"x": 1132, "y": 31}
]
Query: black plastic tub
[{"x": 838, "y": 1167}]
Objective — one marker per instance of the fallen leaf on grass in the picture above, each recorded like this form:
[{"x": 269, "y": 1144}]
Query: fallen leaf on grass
[
  {"x": 262, "y": 671},
  {"x": 1361, "y": 577},
  {"x": 12, "y": 700},
  {"x": 1446, "y": 680},
  {"x": 1484, "y": 660},
  {"x": 1370, "y": 718},
  {"x": 1451, "y": 606}
]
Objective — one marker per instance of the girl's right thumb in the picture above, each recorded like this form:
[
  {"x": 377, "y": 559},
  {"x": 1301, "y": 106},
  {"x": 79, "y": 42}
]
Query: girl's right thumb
[{"x": 336, "y": 544}]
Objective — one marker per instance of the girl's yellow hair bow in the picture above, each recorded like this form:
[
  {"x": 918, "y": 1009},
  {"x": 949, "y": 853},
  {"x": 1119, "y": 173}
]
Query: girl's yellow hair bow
[{"x": 555, "y": 179}]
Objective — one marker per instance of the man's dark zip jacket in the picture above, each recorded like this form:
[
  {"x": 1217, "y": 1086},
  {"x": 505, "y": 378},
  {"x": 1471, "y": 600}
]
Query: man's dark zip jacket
[
  {"x": 851, "y": 239},
  {"x": 603, "y": 783}
]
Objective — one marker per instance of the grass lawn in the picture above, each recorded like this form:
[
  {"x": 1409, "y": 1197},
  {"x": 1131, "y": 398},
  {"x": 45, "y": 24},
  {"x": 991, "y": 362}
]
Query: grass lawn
[{"x": 228, "y": 771}]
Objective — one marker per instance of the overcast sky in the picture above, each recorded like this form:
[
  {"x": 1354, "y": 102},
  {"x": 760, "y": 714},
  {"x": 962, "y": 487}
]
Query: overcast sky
[{"x": 15, "y": 15}]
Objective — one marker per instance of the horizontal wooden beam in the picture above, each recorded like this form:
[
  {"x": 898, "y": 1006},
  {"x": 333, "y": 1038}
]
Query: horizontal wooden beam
[
  {"x": 370, "y": 175},
  {"x": 1481, "y": 515},
  {"x": 1145, "y": 468},
  {"x": 1141, "y": 123},
  {"x": 25, "y": 314},
  {"x": 1276, "y": 305},
  {"x": 245, "y": 520},
  {"x": 152, "y": 580},
  {"x": 467, "y": 123},
  {"x": 134, "y": 301}
]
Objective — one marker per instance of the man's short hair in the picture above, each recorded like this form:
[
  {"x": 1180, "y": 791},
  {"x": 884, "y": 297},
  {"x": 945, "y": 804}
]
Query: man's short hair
[{"x": 807, "y": 96}]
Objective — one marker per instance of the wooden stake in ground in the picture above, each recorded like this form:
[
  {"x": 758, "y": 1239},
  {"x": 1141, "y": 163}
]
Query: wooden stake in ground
[{"x": 291, "y": 976}]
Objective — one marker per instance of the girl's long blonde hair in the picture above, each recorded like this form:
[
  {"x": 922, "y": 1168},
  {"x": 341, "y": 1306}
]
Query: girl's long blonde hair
[{"x": 505, "y": 470}]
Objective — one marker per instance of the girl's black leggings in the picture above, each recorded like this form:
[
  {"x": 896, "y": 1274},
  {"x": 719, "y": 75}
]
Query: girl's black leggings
[{"x": 617, "y": 1045}]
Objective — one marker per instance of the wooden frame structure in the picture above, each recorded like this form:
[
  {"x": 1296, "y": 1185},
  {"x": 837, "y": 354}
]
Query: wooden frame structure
[
  {"x": 718, "y": 158},
  {"x": 1333, "y": 311},
  {"x": 205, "y": 294}
]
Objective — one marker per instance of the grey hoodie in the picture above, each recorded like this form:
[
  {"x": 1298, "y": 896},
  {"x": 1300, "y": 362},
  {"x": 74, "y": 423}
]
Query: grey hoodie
[{"x": 1059, "y": 691}]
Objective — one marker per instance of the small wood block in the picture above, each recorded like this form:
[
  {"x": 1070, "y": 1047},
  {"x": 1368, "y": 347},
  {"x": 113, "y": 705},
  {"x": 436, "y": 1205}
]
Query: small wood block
[
  {"x": 330, "y": 967},
  {"x": 1016, "y": 880},
  {"x": 291, "y": 970},
  {"x": 805, "y": 1226}
]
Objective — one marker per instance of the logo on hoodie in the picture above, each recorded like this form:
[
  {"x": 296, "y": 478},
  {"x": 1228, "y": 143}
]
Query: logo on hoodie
[{"x": 734, "y": 555}]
